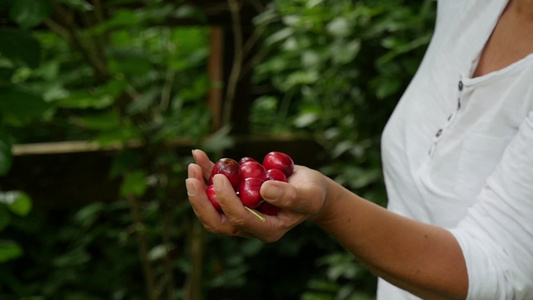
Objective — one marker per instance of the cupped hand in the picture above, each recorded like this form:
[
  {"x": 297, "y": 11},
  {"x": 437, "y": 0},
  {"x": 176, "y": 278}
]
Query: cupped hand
[{"x": 299, "y": 199}]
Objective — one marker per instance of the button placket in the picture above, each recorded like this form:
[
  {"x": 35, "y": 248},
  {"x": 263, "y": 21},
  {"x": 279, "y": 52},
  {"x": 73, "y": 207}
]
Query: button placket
[
  {"x": 460, "y": 87},
  {"x": 451, "y": 117}
]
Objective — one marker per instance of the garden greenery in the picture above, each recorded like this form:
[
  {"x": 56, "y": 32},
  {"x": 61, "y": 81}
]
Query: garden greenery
[{"x": 112, "y": 72}]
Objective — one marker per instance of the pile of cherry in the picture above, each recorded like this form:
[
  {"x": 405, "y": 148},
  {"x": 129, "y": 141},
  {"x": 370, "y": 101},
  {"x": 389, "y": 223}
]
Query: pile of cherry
[{"x": 247, "y": 176}]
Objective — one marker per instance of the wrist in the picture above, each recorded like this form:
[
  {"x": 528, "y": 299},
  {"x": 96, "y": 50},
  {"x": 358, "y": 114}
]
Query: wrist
[{"x": 331, "y": 202}]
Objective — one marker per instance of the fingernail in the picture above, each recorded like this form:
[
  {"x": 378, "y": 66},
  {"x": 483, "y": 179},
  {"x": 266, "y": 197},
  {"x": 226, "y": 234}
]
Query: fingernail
[
  {"x": 218, "y": 181},
  {"x": 190, "y": 187},
  {"x": 271, "y": 192}
]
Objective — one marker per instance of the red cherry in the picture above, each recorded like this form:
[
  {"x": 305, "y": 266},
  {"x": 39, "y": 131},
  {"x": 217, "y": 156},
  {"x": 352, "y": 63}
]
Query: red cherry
[
  {"x": 280, "y": 161},
  {"x": 211, "y": 195},
  {"x": 246, "y": 159},
  {"x": 253, "y": 169},
  {"x": 268, "y": 209},
  {"x": 249, "y": 192},
  {"x": 230, "y": 168},
  {"x": 276, "y": 174}
]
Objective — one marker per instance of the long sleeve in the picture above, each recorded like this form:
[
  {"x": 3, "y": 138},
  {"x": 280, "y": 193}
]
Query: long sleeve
[{"x": 496, "y": 236}]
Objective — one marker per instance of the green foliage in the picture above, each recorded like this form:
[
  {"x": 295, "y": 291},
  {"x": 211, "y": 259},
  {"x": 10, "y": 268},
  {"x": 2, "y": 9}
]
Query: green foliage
[
  {"x": 90, "y": 255},
  {"x": 16, "y": 107},
  {"x": 335, "y": 70},
  {"x": 9, "y": 250},
  {"x": 29, "y": 13},
  {"x": 19, "y": 204},
  {"x": 338, "y": 69},
  {"x": 19, "y": 47}
]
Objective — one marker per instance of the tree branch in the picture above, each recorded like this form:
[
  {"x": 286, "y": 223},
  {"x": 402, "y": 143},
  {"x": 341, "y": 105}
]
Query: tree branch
[
  {"x": 63, "y": 24},
  {"x": 143, "y": 247},
  {"x": 237, "y": 60}
]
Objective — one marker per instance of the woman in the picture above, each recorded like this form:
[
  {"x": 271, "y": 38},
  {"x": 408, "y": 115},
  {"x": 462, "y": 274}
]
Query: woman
[{"x": 458, "y": 169}]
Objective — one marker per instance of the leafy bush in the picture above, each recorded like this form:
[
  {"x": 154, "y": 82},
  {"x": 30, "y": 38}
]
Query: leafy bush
[
  {"x": 337, "y": 69},
  {"x": 331, "y": 69}
]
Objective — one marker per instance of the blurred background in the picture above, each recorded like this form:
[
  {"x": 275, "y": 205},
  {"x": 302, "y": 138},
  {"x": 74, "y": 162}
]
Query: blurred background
[{"x": 101, "y": 103}]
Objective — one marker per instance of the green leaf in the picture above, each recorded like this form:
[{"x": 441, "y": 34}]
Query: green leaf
[
  {"x": 84, "y": 100},
  {"x": 123, "y": 134},
  {"x": 312, "y": 3},
  {"x": 80, "y": 5},
  {"x": 220, "y": 140},
  {"x": 190, "y": 12},
  {"x": 9, "y": 250},
  {"x": 339, "y": 27},
  {"x": 17, "y": 202},
  {"x": 20, "y": 47},
  {"x": 19, "y": 107},
  {"x": 387, "y": 86},
  {"x": 89, "y": 214},
  {"x": 279, "y": 36},
  {"x": 130, "y": 66},
  {"x": 306, "y": 119},
  {"x": 322, "y": 285},
  {"x": 300, "y": 78},
  {"x": 101, "y": 97},
  {"x": 30, "y": 13},
  {"x": 109, "y": 119},
  {"x": 123, "y": 18},
  {"x": 77, "y": 256},
  {"x": 134, "y": 184},
  {"x": 143, "y": 102},
  {"x": 158, "y": 252},
  {"x": 197, "y": 89},
  {"x": 344, "y": 53}
]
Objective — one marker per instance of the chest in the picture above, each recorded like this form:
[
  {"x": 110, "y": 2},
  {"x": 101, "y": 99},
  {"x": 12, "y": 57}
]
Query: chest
[{"x": 510, "y": 41}]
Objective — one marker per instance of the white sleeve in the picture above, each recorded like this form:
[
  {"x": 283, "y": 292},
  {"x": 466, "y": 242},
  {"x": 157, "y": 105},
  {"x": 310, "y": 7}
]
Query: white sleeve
[{"x": 496, "y": 236}]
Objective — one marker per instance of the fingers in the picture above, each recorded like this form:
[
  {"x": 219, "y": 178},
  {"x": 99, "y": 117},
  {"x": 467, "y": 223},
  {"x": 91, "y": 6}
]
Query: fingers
[
  {"x": 248, "y": 221},
  {"x": 195, "y": 171},
  {"x": 203, "y": 208},
  {"x": 299, "y": 199},
  {"x": 203, "y": 161},
  {"x": 240, "y": 217},
  {"x": 211, "y": 219}
]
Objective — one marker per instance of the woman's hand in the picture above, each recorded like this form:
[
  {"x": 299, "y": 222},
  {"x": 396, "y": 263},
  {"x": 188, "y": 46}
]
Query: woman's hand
[
  {"x": 421, "y": 258},
  {"x": 302, "y": 198}
]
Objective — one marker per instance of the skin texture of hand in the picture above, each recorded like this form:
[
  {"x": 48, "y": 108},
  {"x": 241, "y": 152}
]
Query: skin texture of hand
[
  {"x": 304, "y": 197},
  {"x": 423, "y": 259}
]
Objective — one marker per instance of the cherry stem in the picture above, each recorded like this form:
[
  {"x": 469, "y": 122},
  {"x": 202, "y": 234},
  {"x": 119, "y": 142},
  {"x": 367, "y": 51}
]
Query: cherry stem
[{"x": 256, "y": 214}]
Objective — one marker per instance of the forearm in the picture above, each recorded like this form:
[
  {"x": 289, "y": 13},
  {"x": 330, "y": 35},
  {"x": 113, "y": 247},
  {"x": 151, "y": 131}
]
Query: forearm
[{"x": 423, "y": 259}]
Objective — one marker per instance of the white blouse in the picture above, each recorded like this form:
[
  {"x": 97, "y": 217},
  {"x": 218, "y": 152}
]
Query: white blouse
[{"x": 458, "y": 153}]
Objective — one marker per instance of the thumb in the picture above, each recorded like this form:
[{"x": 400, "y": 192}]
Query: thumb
[
  {"x": 284, "y": 195},
  {"x": 271, "y": 191}
]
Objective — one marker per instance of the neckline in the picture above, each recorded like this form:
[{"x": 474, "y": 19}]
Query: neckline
[
  {"x": 515, "y": 66},
  {"x": 475, "y": 61}
]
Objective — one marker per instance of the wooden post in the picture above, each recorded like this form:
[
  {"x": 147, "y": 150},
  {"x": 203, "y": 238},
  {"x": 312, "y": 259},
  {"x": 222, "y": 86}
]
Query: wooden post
[{"x": 216, "y": 74}]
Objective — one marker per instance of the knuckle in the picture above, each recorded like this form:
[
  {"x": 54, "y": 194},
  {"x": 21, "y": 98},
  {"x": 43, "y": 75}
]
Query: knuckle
[
  {"x": 237, "y": 222},
  {"x": 210, "y": 228},
  {"x": 291, "y": 199}
]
